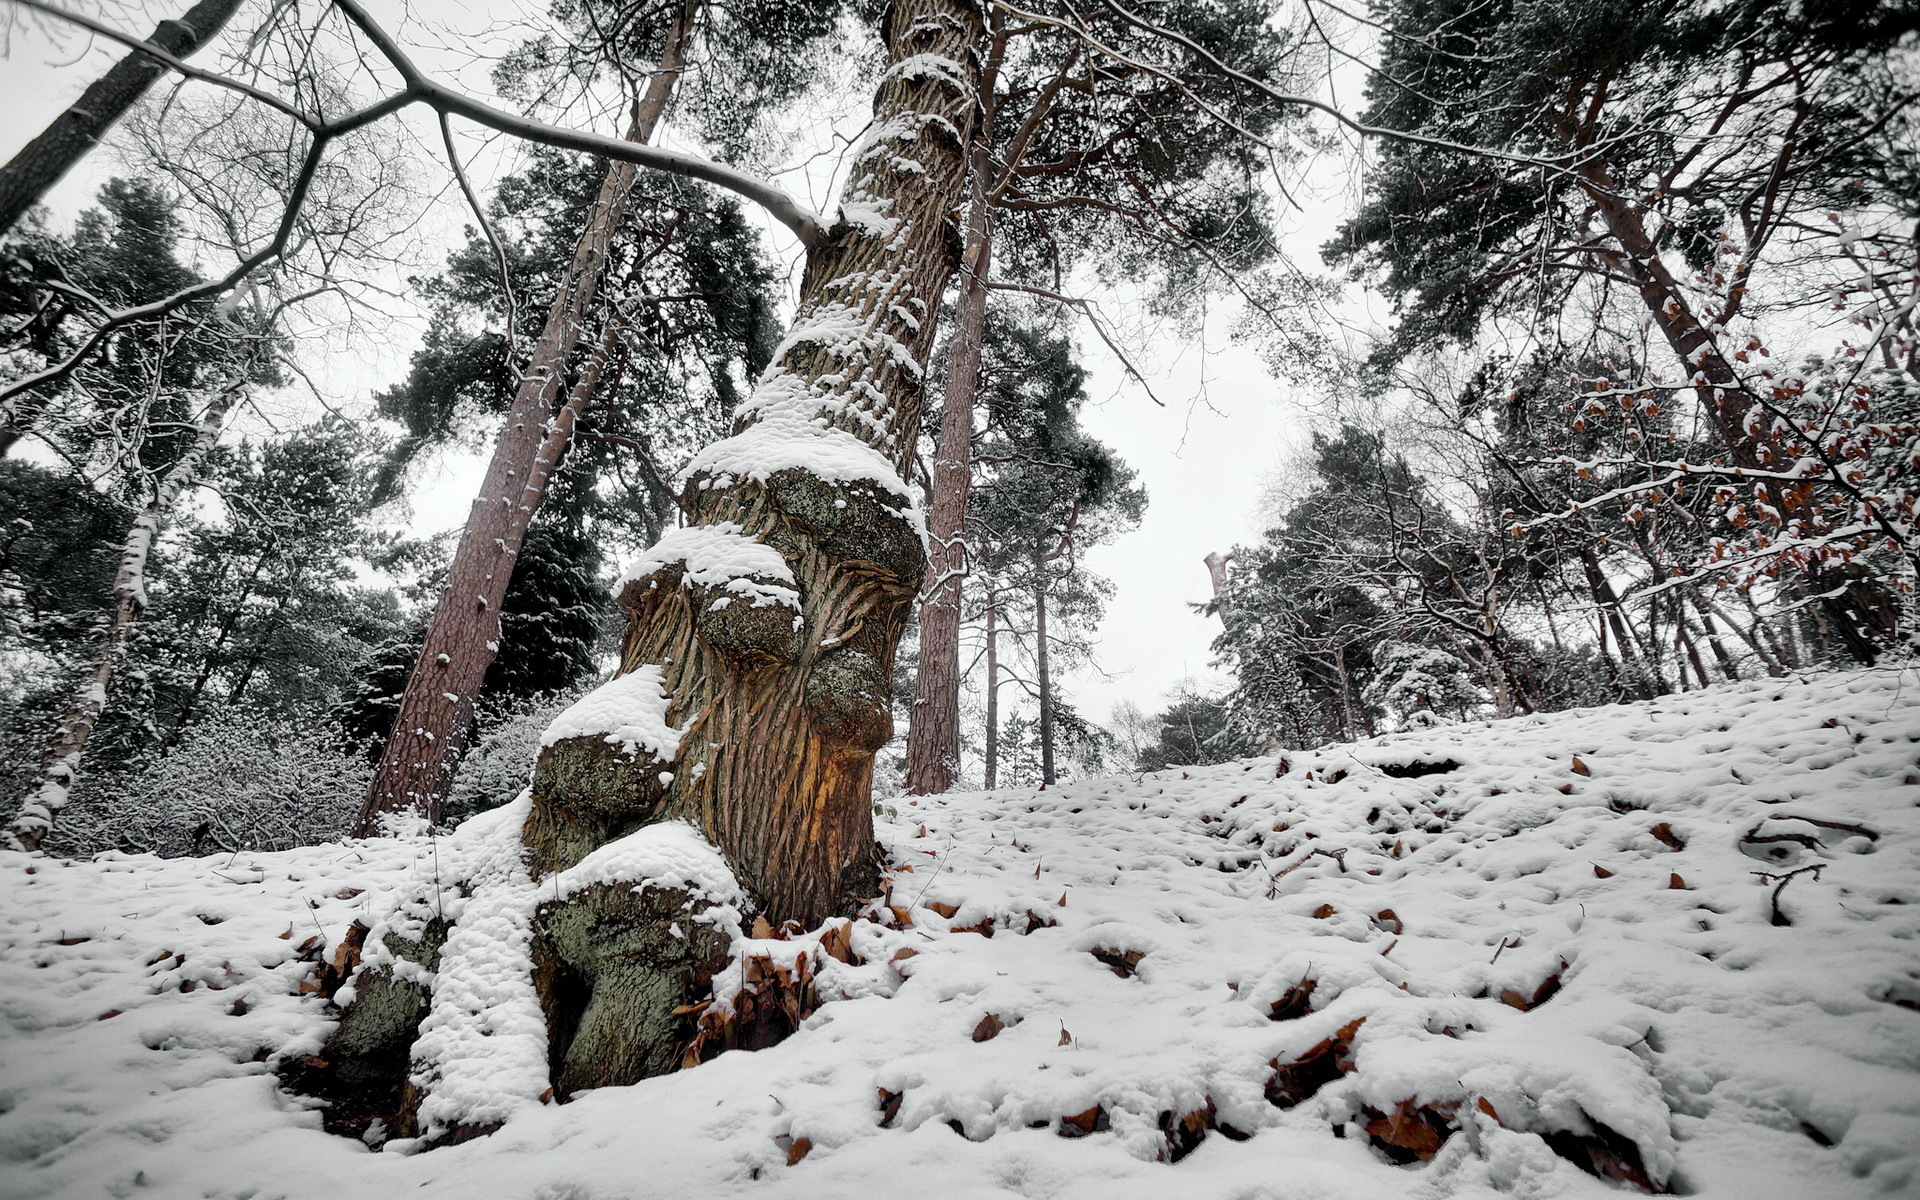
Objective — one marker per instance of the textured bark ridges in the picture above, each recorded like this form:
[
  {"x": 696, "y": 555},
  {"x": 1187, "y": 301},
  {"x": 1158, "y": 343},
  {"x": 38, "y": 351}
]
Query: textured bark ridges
[
  {"x": 416, "y": 767},
  {"x": 62, "y": 762},
  {"x": 43, "y": 162},
  {"x": 933, "y": 741}
]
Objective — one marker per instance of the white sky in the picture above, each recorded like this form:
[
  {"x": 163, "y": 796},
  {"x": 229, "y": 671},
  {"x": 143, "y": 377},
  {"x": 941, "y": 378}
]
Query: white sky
[{"x": 1204, "y": 458}]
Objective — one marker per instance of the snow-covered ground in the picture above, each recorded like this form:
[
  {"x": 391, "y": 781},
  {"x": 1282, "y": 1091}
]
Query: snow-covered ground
[{"x": 1533, "y": 939}]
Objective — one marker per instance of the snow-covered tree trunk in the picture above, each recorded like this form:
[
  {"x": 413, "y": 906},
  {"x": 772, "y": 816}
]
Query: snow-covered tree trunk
[
  {"x": 755, "y": 680},
  {"x": 421, "y": 754},
  {"x": 61, "y": 765}
]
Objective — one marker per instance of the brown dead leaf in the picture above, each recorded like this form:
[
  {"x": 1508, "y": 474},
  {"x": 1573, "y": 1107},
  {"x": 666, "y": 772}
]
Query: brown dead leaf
[
  {"x": 1677, "y": 884},
  {"x": 1601, "y": 872},
  {"x": 1066, "y": 1039},
  {"x": 1079, "y": 1125},
  {"x": 903, "y": 953},
  {"x": 1323, "y": 912},
  {"x": 1580, "y": 768},
  {"x": 1663, "y": 833},
  {"x": 988, "y": 1029},
  {"x": 761, "y": 929},
  {"x": 1324, "y": 1062},
  {"x": 889, "y": 1106},
  {"x": 798, "y": 1150},
  {"x": 1387, "y": 921},
  {"x": 943, "y": 908}
]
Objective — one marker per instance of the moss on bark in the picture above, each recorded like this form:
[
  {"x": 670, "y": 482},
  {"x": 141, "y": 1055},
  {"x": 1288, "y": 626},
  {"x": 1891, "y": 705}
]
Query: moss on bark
[{"x": 614, "y": 963}]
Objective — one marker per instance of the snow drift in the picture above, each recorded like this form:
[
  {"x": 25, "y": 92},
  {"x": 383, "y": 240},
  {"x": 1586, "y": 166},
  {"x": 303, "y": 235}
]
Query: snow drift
[{"x": 1666, "y": 945}]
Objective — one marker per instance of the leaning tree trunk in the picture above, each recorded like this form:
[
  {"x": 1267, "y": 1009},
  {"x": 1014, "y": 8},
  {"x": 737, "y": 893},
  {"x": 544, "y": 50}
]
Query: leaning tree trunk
[
  {"x": 933, "y": 738},
  {"x": 61, "y": 765},
  {"x": 1863, "y": 612},
  {"x": 755, "y": 675},
  {"x": 421, "y": 754},
  {"x": 43, "y": 162}
]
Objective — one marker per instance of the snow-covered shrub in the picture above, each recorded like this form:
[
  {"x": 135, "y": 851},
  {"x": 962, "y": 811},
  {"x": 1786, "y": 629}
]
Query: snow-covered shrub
[
  {"x": 1420, "y": 684},
  {"x": 499, "y": 759},
  {"x": 238, "y": 780}
]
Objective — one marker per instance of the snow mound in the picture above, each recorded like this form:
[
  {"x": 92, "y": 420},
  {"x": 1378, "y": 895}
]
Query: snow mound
[
  {"x": 720, "y": 555},
  {"x": 628, "y": 711},
  {"x": 1676, "y": 938}
]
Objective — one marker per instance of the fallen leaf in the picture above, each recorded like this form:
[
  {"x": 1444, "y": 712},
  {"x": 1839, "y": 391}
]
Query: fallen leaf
[
  {"x": 798, "y": 1150},
  {"x": 1580, "y": 768},
  {"x": 988, "y": 1028},
  {"x": 1601, "y": 872}
]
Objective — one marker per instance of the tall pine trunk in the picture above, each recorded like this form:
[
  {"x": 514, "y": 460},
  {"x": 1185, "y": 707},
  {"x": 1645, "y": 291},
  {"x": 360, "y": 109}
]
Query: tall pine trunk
[
  {"x": 30, "y": 174},
  {"x": 418, "y": 763},
  {"x": 933, "y": 739},
  {"x": 1043, "y": 675},
  {"x": 992, "y": 769},
  {"x": 61, "y": 764}
]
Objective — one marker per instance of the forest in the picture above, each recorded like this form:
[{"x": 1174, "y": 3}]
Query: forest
[{"x": 635, "y": 476}]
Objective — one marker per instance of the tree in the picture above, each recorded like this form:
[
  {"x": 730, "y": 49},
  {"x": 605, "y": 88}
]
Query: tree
[
  {"x": 762, "y": 634},
  {"x": 1100, "y": 156},
  {"x": 1049, "y": 491},
  {"x": 417, "y": 764},
  {"x": 1682, "y": 155},
  {"x": 182, "y": 381},
  {"x": 31, "y": 173}
]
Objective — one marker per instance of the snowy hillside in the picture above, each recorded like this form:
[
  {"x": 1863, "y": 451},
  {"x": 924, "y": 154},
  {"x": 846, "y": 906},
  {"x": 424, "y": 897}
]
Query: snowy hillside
[{"x": 1674, "y": 943}]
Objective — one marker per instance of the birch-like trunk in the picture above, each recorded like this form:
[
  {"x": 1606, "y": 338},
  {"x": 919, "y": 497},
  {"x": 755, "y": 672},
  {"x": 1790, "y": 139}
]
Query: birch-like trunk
[
  {"x": 423, "y": 751},
  {"x": 61, "y": 764}
]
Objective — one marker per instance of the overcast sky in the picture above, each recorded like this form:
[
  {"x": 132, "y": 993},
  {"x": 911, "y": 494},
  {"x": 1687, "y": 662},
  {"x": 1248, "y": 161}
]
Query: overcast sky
[{"x": 1205, "y": 458}]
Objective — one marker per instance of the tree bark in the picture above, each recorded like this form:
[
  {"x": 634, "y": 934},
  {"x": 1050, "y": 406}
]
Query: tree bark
[
  {"x": 783, "y": 705},
  {"x": 423, "y": 751},
  {"x": 44, "y": 161},
  {"x": 992, "y": 772},
  {"x": 933, "y": 740},
  {"x": 1042, "y": 672},
  {"x": 61, "y": 765}
]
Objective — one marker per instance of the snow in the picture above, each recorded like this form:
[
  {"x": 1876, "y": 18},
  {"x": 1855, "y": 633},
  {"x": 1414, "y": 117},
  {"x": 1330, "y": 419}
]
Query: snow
[
  {"x": 721, "y": 555},
  {"x": 1686, "y": 1021},
  {"x": 670, "y": 854},
  {"x": 629, "y": 711}
]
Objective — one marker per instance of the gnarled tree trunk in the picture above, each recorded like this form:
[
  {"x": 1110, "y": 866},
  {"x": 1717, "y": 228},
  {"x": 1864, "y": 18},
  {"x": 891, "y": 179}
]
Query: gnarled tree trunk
[{"x": 755, "y": 675}]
